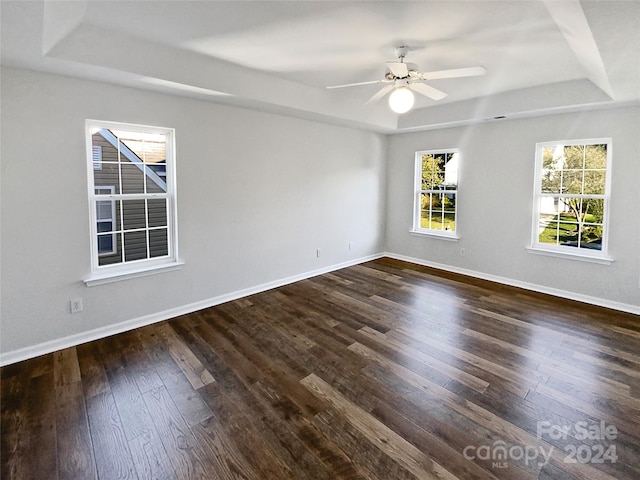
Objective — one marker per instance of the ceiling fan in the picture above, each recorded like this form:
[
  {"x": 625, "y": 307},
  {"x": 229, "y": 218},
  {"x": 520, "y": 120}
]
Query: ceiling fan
[{"x": 403, "y": 77}]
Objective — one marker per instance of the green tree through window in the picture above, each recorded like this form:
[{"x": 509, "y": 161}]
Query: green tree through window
[
  {"x": 436, "y": 193},
  {"x": 572, "y": 194}
]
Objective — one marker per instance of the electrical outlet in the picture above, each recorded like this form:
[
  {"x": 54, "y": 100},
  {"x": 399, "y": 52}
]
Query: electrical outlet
[
  {"x": 350, "y": 246},
  {"x": 462, "y": 252},
  {"x": 318, "y": 253},
  {"x": 76, "y": 305}
]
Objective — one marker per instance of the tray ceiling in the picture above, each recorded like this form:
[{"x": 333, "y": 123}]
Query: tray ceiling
[{"x": 540, "y": 56}]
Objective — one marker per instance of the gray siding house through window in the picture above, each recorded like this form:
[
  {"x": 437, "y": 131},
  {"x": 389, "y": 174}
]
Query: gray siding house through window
[{"x": 138, "y": 222}]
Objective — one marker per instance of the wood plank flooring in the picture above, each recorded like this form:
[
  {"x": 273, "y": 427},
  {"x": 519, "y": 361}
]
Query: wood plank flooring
[{"x": 384, "y": 370}]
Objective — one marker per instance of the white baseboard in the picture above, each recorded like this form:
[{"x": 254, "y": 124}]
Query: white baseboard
[
  {"x": 7, "y": 358},
  {"x": 14, "y": 356},
  {"x": 602, "y": 302}
]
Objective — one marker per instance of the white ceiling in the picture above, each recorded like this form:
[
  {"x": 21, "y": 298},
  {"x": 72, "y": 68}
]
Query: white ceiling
[{"x": 541, "y": 56}]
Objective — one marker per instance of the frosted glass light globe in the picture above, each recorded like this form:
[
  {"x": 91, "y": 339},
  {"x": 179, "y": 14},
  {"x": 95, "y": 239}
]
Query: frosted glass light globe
[{"x": 401, "y": 100}]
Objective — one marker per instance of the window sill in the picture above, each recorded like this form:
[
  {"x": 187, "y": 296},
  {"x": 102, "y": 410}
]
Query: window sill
[
  {"x": 103, "y": 278},
  {"x": 452, "y": 237},
  {"x": 601, "y": 259}
]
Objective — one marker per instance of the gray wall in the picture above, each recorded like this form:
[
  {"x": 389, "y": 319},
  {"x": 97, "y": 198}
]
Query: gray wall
[
  {"x": 258, "y": 194},
  {"x": 495, "y": 202}
]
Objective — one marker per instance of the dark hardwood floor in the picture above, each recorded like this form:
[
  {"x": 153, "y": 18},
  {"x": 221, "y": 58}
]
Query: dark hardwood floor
[{"x": 384, "y": 370}]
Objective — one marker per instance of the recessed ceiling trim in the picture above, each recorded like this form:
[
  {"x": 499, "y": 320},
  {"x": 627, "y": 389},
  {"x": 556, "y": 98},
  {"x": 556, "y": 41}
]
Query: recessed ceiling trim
[{"x": 573, "y": 24}]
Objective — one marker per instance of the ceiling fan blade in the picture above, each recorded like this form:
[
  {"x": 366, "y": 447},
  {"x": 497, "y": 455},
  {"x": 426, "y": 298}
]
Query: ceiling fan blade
[
  {"x": 455, "y": 73},
  {"x": 381, "y": 93},
  {"x": 427, "y": 91},
  {"x": 399, "y": 69},
  {"x": 359, "y": 83}
]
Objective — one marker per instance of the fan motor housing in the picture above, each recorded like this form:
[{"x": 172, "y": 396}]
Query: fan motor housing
[{"x": 401, "y": 51}]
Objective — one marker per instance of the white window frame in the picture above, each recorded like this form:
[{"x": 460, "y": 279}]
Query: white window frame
[
  {"x": 418, "y": 191},
  {"x": 576, "y": 253},
  {"x": 120, "y": 271}
]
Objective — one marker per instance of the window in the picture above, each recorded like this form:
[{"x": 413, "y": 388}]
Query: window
[
  {"x": 571, "y": 197},
  {"x": 436, "y": 192},
  {"x": 132, "y": 199}
]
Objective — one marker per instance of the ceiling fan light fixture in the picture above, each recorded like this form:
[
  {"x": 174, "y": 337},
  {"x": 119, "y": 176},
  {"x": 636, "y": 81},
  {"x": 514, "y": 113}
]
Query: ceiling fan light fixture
[{"x": 401, "y": 100}]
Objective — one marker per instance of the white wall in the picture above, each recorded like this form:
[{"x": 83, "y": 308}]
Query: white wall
[
  {"x": 257, "y": 195},
  {"x": 495, "y": 203}
]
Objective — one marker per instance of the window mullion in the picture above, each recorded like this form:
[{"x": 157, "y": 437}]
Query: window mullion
[
  {"x": 573, "y": 195},
  {"x": 146, "y": 223}
]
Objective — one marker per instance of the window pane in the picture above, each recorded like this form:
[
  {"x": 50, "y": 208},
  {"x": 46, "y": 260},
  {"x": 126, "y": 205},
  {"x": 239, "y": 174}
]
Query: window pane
[
  {"x": 449, "y": 201},
  {"x": 104, "y": 210},
  {"x": 158, "y": 244},
  {"x": 550, "y": 181},
  {"x": 103, "y": 241},
  {"x": 432, "y": 171},
  {"x": 135, "y": 246},
  {"x": 104, "y": 227},
  {"x": 550, "y": 158},
  {"x": 425, "y": 202},
  {"x": 451, "y": 172},
  {"x": 99, "y": 143},
  {"x": 436, "y": 221},
  {"x": 593, "y": 244},
  {"x": 134, "y": 214},
  {"x": 596, "y": 156},
  {"x": 155, "y": 150},
  {"x": 594, "y": 209},
  {"x": 591, "y": 237},
  {"x": 590, "y": 217},
  {"x": 132, "y": 178},
  {"x": 594, "y": 181},
  {"x": 449, "y": 221},
  {"x": 551, "y": 170},
  {"x": 568, "y": 208},
  {"x": 549, "y": 208},
  {"x": 574, "y": 157},
  {"x": 149, "y": 147},
  {"x": 157, "y": 212},
  {"x": 155, "y": 178},
  {"x": 548, "y": 232},
  {"x": 436, "y": 201},
  {"x": 108, "y": 177},
  {"x": 572, "y": 181},
  {"x": 128, "y": 137}
]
